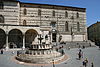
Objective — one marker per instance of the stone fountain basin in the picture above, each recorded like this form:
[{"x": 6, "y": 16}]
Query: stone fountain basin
[{"x": 40, "y": 59}]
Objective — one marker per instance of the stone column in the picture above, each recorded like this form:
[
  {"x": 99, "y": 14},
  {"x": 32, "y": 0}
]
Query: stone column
[
  {"x": 83, "y": 37},
  {"x": 57, "y": 39},
  {"x": 7, "y": 46},
  {"x": 19, "y": 20},
  {"x": 23, "y": 41},
  {"x": 51, "y": 37}
]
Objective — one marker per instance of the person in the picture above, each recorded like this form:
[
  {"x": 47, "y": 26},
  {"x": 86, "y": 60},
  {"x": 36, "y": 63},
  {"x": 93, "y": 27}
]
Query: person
[
  {"x": 41, "y": 66},
  {"x": 80, "y": 54},
  {"x": 79, "y": 46},
  {"x": 68, "y": 48},
  {"x": 1, "y": 51},
  {"x": 90, "y": 44},
  {"x": 83, "y": 47},
  {"x": 18, "y": 53},
  {"x": 80, "y": 50},
  {"x": 92, "y": 65},
  {"x": 85, "y": 62}
]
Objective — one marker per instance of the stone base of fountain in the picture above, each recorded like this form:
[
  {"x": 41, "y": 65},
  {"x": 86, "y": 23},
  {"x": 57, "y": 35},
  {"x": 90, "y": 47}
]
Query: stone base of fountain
[
  {"x": 40, "y": 53},
  {"x": 39, "y": 57}
]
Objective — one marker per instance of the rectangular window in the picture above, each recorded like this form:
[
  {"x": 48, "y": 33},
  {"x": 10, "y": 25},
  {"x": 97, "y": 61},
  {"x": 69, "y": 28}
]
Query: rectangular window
[
  {"x": 24, "y": 11},
  {"x": 53, "y": 13},
  {"x": 53, "y": 24},
  {"x": 77, "y": 15},
  {"x": 78, "y": 26},
  {"x": 66, "y": 14},
  {"x": 1, "y": 5},
  {"x": 66, "y": 26},
  {"x": 39, "y": 12}
]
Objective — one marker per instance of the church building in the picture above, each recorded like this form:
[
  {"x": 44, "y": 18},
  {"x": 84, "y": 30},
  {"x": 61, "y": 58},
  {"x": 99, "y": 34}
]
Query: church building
[{"x": 21, "y": 23}]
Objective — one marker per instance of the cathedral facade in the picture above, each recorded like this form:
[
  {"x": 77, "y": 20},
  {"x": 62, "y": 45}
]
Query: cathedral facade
[{"x": 20, "y": 23}]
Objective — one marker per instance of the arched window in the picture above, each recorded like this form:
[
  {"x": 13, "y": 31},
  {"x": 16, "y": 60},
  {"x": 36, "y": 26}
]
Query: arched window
[
  {"x": 66, "y": 14},
  {"x": 24, "y": 22},
  {"x": 53, "y": 13},
  {"x": 24, "y": 11},
  {"x": 39, "y": 12},
  {"x": 1, "y": 19},
  {"x": 77, "y": 15},
  {"x": 1, "y": 4},
  {"x": 66, "y": 26},
  {"x": 78, "y": 26}
]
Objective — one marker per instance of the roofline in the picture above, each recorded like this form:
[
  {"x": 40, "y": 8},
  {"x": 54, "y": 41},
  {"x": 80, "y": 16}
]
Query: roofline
[
  {"x": 11, "y": 0},
  {"x": 54, "y": 5},
  {"x": 94, "y": 24}
]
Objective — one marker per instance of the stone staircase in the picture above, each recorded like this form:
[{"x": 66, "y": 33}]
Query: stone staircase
[{"x": 79, "y": 44}]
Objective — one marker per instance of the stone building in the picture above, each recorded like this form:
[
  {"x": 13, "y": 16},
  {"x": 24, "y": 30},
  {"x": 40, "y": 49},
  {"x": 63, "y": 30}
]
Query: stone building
[
  {"x": 21, "y": 22},
  {"x": 94, "y": 32}
]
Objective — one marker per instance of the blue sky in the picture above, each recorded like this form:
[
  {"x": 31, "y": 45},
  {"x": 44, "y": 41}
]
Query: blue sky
[{"x": 92, "y": 7}]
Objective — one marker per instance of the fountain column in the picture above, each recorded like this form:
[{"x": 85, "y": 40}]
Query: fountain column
[
  {"x": 40, "y": 39},
  {"x": 23, "y": 41}
]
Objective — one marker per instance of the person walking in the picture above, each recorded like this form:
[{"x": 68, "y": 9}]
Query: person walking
[
  {"x": 92, "y": 64},
  {"x": 1, "y": 51},
  {"x": 85, "y": 62},
  {"x": 83, "y": 47},
  {"x": 80, "y": 54},
  {"x": 68, "y": 48}
]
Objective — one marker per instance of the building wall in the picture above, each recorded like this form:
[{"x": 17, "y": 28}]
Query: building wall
[
  {"x": 10, "y": 12},
  {"x": 13, "y": 13},
  {"x": 94, "y": 32},
  {"x": 46, "y": 17}
]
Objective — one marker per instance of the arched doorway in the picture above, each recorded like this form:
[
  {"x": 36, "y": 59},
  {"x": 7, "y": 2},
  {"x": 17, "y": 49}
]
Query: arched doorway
[
  {"x": 15, "y": 38},
  {"x": 29, "y": 37},
  {"x": 2, "y": 38}
]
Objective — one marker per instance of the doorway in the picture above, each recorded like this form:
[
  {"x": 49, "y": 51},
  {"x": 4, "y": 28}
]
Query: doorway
[{"x": 54, "y": 35}]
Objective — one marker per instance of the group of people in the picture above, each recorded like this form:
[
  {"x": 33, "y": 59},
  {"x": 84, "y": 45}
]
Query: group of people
[{"x": 85, "y": 62}]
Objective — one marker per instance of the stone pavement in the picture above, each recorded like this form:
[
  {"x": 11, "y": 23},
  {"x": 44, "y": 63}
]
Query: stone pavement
[{"x": 92, "y": 53}]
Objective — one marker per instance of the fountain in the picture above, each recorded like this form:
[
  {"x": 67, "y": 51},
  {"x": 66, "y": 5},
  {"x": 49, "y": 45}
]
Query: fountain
[{"x": 40, "y": 53}]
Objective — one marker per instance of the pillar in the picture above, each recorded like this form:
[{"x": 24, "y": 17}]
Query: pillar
[
  {"x": 23, "y": 42},
  {"x": 19, "y": 21},
  {"x": 51, "y": 38},
  {"x": 83, "y": 37},
  {"x": 7, "y": 46},
  {"x": 57, "y": 39}
]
